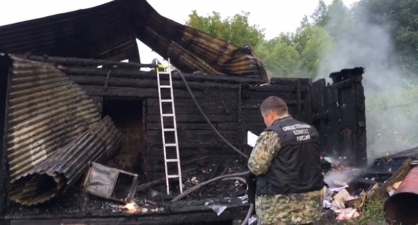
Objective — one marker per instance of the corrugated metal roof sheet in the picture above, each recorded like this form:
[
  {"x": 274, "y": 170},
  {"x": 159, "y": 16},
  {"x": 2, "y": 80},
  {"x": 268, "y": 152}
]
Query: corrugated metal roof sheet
[
  {"x": 46, "y": 110},
  {"x": 66, "y": 165},
  {"x": 108, "y": 32}
]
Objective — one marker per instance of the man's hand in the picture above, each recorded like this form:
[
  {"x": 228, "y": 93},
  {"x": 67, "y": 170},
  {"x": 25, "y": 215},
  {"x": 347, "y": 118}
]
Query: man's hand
[{"x": 266, "y": 148}]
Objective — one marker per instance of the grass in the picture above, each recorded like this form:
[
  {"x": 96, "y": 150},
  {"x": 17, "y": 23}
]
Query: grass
[{"x": 372, "y": 213}]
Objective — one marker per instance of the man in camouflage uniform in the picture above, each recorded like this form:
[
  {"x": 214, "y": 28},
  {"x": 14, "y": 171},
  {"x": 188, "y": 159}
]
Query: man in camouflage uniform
[{"x": 286, "y": 163}]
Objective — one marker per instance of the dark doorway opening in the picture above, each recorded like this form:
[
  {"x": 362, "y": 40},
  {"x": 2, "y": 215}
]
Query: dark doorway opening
[{"x": 127, "y": 114}]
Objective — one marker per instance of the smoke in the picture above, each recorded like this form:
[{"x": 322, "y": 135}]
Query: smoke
[
  {"x": 389, "y": 112},
  {"x": 344, "y": 176}
]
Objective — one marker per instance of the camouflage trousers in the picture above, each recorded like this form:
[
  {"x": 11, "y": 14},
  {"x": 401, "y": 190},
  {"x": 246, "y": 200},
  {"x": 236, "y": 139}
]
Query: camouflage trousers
[{"x": 303, "y": 208}]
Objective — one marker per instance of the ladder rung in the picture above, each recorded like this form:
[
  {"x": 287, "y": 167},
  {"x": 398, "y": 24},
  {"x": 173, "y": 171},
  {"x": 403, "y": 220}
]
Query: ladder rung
[
  {"x": 171, "y": 145},
  {"x": 168, "y": 114},
  {"x": 171, "y": 160},
  {"x": 163, "y": 72},
  {"x": 173, "y": 176},
  {"x": 165, "y": 86},
  {"x": 166, "y": 100},
  {"x": 169, "y": 129}
]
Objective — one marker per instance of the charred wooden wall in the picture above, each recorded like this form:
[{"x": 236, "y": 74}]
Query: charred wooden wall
[
  {"x": 338, "y": 111},
  {"x": 232, "y": 109},
  {"x": 5, "y": 63},
  {"x": 293, "y": 91},
  {"x": 231, "y": 103},
  {"x": 197, "y": 140}
]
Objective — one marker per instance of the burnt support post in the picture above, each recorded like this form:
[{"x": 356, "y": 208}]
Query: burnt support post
[{"x": 339, "y": 115}]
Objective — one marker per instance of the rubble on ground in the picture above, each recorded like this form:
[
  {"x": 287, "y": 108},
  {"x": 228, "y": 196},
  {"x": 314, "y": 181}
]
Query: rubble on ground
[
  {"x": 350, "y": 189},
  {"x": 152, "y": 198}
]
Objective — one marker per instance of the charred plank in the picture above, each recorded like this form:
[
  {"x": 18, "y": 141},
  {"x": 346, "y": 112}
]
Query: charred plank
[
  {"x": 289, "y": 81},
  {"x": 228, "y": 126},
  {"x": 154, "y": 102},
  {"x": 279, "y": 88},
  {"x": 181, "y": 126},
  {"x": 255, "y": 103},
  {"x": 134, "y": 92},
  {"x": 150, "y": 82},
  {"x": 197, "y": 118},
  {"x": 122, "y": 72},
  {"x": 155, "y": 110}
]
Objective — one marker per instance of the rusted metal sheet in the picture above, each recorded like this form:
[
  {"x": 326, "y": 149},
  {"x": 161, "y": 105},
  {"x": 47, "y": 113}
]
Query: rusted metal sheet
[
  {"x": 46, "y": 110},
  {"x": 66, "y": 165},
  {"x": 102, "y": 181},
  {"x": 401, "y": 207},
  {"x": 109, "y": 31}
]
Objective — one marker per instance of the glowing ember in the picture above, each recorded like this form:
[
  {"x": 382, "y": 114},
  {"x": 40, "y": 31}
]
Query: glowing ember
[{"x": 131, "y": 207}]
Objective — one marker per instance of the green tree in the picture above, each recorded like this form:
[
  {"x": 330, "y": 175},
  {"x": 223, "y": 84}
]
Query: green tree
[
  {"x": 318, "y": 42},
  {"x": 319, "y": 16},
  {"x": 401, "y": 16},
  {"x": 296, "y": 54},
  {"x": 235, "y": 30},
  {"x": 279, "y": 57},
  {"x": 337, "y": 19}
]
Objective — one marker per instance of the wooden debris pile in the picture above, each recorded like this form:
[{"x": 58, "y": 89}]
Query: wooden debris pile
[{"x": 351, "y": 189}]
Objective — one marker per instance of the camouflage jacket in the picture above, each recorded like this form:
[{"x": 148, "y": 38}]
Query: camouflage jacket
[{"x": 281, "y": 209}]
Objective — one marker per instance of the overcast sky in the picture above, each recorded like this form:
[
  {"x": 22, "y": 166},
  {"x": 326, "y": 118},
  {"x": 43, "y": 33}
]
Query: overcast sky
[{"x": 282, "y": 16}]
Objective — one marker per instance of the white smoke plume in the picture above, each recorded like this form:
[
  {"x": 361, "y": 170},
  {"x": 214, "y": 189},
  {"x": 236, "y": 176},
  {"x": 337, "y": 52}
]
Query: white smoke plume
[{"x": 359, "y": 43}]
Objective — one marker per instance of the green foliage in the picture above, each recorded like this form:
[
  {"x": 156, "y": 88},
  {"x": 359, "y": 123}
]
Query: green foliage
[
  {"x": 401, "y": 16},
  {"x": 299, "y": 53},
  {"x": 235, "y": 30},
  {"x": 279, "y": 57}
]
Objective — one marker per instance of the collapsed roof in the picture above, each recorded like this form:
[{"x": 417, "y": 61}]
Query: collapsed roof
[{"x": 109, "y": 31}]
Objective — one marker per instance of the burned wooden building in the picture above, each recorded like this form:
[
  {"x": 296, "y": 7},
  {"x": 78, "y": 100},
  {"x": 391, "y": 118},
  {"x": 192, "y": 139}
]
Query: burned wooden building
[{"x": 67, "y": 100}]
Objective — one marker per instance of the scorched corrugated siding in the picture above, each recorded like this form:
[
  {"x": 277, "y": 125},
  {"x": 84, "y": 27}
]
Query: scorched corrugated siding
[{"x": 45, "y": 111}]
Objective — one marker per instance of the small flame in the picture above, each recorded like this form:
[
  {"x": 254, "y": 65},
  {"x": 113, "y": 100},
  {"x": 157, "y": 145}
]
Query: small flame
[{"x": 131, "y": 207}]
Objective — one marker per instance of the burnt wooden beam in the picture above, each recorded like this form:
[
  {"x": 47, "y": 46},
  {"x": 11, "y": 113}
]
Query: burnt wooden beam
[
  {"x": 195, "y": 144},
  {"x": 242, "y": 136},
  {"x": 288, "y": 81},
  {"x": 347, "y": 83},
  {"x": 279, "y": 88},
  {"x": 184, "y": 161},
  {"x": 154, "y": 102},
  {"x": 150, "y": 82},
  {"x": 134, "y": 73},
  {"x": 134, "y": 92},
  {"x": 155, "y": 110},
  {"x": 88, "y": 62},
  {"x": 181, "y": 126},
  {"x": 197, "y": 126},
  {"x": 299, "y": 100},
  {"x": 191, "y": 156},
  {"x": 229, "y": 126},
  {"x": 196, "y": 133},
  {"x": 255, "y": 104},
  {"x": 198, "y": 118},
  {"x": 201, "y": 143},
  {"x": 288, "y": 95}
]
